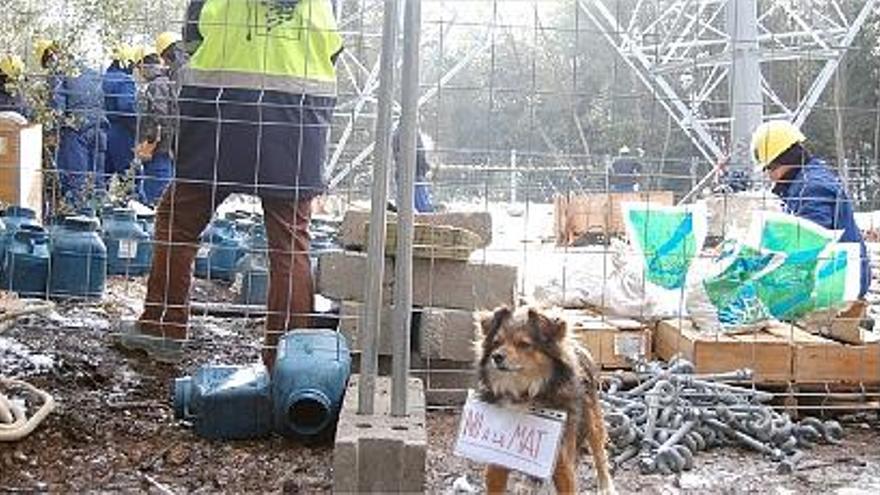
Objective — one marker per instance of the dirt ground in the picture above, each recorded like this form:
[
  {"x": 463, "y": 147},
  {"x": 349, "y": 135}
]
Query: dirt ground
[{"x": 114, "y": 429}]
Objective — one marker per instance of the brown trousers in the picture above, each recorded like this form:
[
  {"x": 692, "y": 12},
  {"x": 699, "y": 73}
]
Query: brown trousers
[{"x": 182, "y": 214}]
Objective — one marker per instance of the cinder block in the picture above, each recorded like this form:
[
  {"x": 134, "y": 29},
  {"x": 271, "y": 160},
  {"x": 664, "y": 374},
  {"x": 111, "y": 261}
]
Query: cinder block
[
  {"x": 352, "y": 232},
  {"x": 381, "y": 453},
  {"x": 350, "y": 320},
  {"x": 456, "y": 285},
  {"x": 342, "y": 275},
  {"x": 436, "y": 283},
  {"x": 447, "y": 334}
]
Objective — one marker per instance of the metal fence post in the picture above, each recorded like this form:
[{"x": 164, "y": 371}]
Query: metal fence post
[
  {"x": 376, "y": 250},
  {"x": 409, "y": 123}
]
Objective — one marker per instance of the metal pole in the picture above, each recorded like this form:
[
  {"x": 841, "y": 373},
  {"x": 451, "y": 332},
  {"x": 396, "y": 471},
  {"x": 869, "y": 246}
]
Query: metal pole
[
  {"x": 376, "y": 249},
  {"x": 409, "y": 122},
  {"x": 746, "y": 100}
]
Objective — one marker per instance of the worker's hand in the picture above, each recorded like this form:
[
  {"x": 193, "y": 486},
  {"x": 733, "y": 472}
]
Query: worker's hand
[{"x": 144, "y": 150}]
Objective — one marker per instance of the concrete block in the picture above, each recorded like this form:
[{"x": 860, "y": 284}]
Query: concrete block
[
  {"x": 352, "y": 232},
  {"x": 456, "y": 285},
  {"x": 447, "y": 334},
  {"x": 342, "y": 275},
  {"x": 350, "y": 318},
  {"x": 381, "y": 453}
]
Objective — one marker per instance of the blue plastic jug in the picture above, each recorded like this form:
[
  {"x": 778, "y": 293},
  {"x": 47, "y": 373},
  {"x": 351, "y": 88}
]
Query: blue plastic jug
[
  {"x": 221, "y": 248},
  {"x": 12, "y": 218},
  {"x": 226, "y": 402},
  {"x": 128, "y": 252},
  {"x": 253, "y": 269},
  {"x": 78, "y": 267},
  {"x": 308, "y": 382},
  {"x": 26, "y": 262}
]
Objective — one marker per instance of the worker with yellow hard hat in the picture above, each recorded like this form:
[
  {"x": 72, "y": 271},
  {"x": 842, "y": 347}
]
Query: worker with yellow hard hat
[
  {"x": 11, "y": 71},
  {"x": 77, "y": 97},
  {"x": 120, "y": 104},
  {"x": 807, "y": 186},
  {"x": 169, "y": 46}
]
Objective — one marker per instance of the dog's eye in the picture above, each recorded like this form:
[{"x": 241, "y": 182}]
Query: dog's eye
[{"x": 522, "y": 344}]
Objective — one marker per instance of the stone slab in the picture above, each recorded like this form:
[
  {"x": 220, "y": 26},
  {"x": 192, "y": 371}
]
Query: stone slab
[
  {"x": 352, "y": 231},
  {"x": 381, "y": 453}
]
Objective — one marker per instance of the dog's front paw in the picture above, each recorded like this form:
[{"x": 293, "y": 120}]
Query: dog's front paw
[{"x": 608, "y": 490}]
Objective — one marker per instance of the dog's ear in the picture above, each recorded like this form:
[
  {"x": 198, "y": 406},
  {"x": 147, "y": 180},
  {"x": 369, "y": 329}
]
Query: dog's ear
[
  {"x": 490, "y": 321},
  {"x": 551, "y": 328}
]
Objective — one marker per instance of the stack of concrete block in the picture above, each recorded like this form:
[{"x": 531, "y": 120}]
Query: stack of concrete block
[{"x": 446, "y": 292}]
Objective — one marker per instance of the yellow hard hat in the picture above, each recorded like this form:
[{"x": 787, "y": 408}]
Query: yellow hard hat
[
  {"x": 166, "y": 39},
  {"x": 772, "y": 139},
  {"x": 11, "y": 65},
  {"x": 123, "y": 52},
  {"x": 141, "y": 52},
  {"x": 41, "y": 46}
]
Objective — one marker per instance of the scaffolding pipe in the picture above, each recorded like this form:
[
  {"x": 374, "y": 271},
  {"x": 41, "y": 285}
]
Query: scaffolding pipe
[
  {"x": 376, "y": 251},
  {"x": 746, "y": 99},
  {"x": 403, "y": 276}
]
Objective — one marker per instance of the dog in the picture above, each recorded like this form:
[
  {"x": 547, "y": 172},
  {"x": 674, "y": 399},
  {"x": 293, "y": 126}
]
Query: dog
[{"x": 525, "y": 357}]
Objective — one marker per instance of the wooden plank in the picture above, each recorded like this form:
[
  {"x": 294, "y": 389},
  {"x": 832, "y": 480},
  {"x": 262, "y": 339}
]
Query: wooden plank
[
  {"x": 433, "y": 241},
  {"x": 610, "y": 345},
  {"x": 817, "y": 359},
  {"x": 767, "y": 354}
]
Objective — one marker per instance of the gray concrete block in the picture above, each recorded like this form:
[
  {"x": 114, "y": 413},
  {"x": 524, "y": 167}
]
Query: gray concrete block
[
  {"x": 352, "y": 233},
  {"x": 350, "y": 319},
  {"x": 381, "y": 453},
  {"x": 456, "y": 285},
  {"x": 342, "y": 275},
  {"x": 447, "y": 334}
]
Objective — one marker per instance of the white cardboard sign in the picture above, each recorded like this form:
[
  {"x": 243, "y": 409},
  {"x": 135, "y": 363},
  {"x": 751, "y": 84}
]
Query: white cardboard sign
[{"x": 525, "y": 440}]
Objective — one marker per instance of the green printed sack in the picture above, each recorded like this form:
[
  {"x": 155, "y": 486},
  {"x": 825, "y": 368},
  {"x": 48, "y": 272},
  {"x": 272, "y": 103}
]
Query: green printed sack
[
  {"x": 667, "y": 238},
  {"x": 788, "y": 291}
]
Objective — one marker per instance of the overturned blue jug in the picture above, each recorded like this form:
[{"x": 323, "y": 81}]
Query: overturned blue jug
[
  {"x": 226, "y": 402},
  {"x": 308, "y": 382}
]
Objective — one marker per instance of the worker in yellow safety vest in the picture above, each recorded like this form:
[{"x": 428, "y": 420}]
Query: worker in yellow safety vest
[{"x": 255, "y": 107}]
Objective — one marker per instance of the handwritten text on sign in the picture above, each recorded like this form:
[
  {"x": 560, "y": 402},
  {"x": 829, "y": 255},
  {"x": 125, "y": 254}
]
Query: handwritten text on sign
[{"x": 517, "y": 439}]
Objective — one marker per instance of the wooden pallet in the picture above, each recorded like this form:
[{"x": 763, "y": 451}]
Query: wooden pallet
[
  {"x": 769, "y": 355},
  {"x": 781, "y": 353},
  {"x": 598, "y": 214},
  {"x": 611, "y": 341}
]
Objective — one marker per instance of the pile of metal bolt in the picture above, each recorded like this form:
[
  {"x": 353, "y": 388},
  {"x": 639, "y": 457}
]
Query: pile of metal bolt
[{"x": 672, "y": 414}]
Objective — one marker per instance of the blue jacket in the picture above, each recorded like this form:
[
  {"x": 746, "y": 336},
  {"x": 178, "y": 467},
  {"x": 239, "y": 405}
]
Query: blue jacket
[
  {"x": 120, "y": 91},
  {"x": 79, "y": 98},
  {"x": 814, "y": 192}
]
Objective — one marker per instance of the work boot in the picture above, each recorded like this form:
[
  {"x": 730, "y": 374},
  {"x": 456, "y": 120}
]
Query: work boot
[{"x": 131, "y": 337}]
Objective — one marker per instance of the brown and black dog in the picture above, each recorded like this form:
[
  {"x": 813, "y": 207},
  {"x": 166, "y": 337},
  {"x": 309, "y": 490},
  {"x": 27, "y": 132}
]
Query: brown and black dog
[{"x": 526, "y": 358}]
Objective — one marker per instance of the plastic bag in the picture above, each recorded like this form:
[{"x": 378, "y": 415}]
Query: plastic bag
[
  {"x": 668, "y": 239},
  {"x": 725, "y": 298},
  {"x": 788, "y": 290}
]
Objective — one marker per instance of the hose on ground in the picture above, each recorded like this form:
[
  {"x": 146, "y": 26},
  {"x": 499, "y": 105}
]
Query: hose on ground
[{"x": 14, "y": 423}]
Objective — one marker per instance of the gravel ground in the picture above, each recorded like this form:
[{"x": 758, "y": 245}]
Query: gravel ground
[{"x": 114, "y": 430}]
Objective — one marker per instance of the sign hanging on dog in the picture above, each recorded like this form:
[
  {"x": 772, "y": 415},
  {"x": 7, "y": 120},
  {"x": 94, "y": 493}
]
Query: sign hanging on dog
[{"x": 525, "y": 440}]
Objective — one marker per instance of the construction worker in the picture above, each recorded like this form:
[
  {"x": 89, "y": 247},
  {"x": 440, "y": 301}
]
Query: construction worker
[
  {"x": 78, "y": 100},
  {"x": 625, "y": 172},
  {"x": 169, "y": 46},
  {"x": 808, "y": 188},
  {"x": 255, "y": 111},
  {"x": 120, "y": 105},
  {"x": 157, "y": 115},
  {"x": 11, "y": 71},
  {"x": 422, "y": 190}
]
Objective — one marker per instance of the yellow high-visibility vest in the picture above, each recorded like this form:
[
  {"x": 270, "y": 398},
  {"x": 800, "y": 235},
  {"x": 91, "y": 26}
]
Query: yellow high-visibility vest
[{"x": 241, "y": 50}]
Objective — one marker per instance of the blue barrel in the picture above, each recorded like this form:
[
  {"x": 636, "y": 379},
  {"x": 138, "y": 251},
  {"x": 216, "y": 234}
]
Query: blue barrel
[
  {"x": 226, "y": 402},
  {"x": 253, "y": 269},
  {"x": 26, "y": 262},
  {"x": 221, "y": 248},
  {"x": 128, "y": 249},
  {"x": 79, "y": 259},
  {"x": 308, "y": 381}
]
